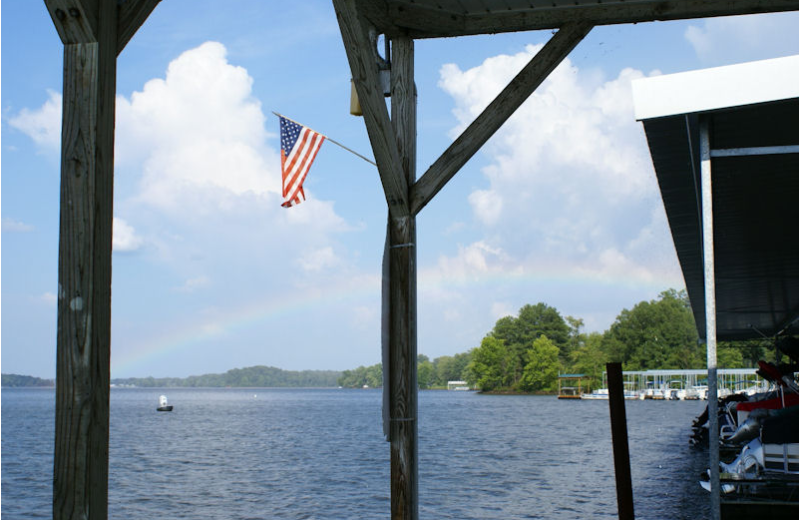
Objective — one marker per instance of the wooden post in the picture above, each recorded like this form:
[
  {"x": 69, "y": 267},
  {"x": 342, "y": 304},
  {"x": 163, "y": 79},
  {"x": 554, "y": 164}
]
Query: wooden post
[
  {"x": 89, "y": 31},
  {"x": 403, "y": 297},
  {"x": 393, "y": 142},
  {"x": 80, "y": 480},
  {"x": 619, "y": 441}
]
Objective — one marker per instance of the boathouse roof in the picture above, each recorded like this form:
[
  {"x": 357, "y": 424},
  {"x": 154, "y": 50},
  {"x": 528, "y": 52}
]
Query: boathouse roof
[{"x": 753, "y": 131}]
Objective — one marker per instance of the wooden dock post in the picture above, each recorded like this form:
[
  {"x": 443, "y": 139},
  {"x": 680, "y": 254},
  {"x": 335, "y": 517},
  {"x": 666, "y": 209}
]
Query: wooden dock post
[
  {"x": 619, "y": 440},
  {"x": 393, "y": 142},
  {"x": 93, "y": 34},
  {"x": 403, "y": 296}
]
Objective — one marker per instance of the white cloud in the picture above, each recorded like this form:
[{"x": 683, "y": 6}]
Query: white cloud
[
  {"x": 365, "y": 318},
  {"x": 570, "y": 181},
  {"x": 501, "y": 310},
  {"x": 125, "y": 239},
  {"x": 318, "y": 259},
  {"x": 192, "y": 284},
  {"x": 736, "y": 39},
  {"x": 474, "y": 260},
  {"x": 43, "y": 124},
  {"x": 14, "y": 226},
  {"x": 487, "y": 205},
  {"x": 200, "y": 134},
  {"x": 49, "y": 299},
  {"x": 196, "y": 137}
]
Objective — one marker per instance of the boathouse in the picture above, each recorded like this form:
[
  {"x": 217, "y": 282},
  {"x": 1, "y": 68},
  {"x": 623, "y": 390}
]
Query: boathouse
[
  {"x": 724, "y": 143},
  {"x": 95, "y": 32},
  {"x": 571, "y": 386}
]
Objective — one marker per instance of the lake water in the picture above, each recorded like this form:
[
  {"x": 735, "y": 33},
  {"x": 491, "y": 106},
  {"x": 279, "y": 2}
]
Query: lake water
[{"x": 320, "y": 454}]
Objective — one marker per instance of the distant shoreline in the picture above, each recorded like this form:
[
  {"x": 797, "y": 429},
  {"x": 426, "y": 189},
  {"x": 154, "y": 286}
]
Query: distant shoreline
[{"x": 249, "y": 377}]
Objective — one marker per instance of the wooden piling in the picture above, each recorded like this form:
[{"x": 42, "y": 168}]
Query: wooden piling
[{"x": 619, "y": 440}]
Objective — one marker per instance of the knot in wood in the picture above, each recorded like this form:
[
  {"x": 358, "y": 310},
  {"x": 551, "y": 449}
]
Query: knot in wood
[
  {"x": 60, "y": 15},
  {"x": 74, "y": 12}
]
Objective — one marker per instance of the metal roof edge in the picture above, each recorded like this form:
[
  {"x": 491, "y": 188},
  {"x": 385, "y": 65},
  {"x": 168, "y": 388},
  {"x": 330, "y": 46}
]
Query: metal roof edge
[{"x": 710, "y": 89}]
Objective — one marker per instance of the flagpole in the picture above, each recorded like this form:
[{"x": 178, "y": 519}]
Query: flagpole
[{"x": 328, "y": 138}]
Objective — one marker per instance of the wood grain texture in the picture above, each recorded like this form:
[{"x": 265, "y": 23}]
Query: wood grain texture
[
  {"x": 423, "y": 19},
  {"x": 75, "y": 20},
  {"x": 363, "y": 67},
  {"x": 403, "y": 297},
  {"x": 494, "y": 115},
  {"x": 80, "y": 468},
  {"x": 132, "y": 14}
]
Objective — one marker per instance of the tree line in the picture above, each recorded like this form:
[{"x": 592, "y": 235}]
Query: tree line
[
  {"x": 18, "y": 381},
  {"x": 527, "y": 352},
  {"x": 255, "y": 376}
]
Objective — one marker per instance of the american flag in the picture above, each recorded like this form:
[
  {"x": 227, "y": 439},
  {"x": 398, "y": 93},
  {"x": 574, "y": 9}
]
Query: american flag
[{"x": 299, "y": 147}]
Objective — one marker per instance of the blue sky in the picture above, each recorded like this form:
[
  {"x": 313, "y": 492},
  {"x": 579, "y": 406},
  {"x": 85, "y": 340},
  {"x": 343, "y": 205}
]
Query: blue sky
[{"x": 210, "y": 273}]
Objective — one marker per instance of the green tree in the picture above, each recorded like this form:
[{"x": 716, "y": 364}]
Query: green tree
[
  {"x": 489, "y": 365},
  {"x": 729, "y": 357},
  {"x": 450, "y": 368},
  {"x": 542, "y": 368},
  {"x": 574, "y": 340},
  {"x": 532, "y": 322},
  {"x": 655, "y": 334},
  {"x": 425, "y": 372},
  {"x": 590, "y": 359},
  {"x": 371, "y": 376}
]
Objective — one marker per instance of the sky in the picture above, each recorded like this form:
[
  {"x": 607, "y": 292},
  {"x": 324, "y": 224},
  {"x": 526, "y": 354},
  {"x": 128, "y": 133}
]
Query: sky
[{"x": 210, "y": 273}]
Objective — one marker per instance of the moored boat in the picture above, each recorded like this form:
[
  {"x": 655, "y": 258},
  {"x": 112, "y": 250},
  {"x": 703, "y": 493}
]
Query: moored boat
[
  {"x": 600, "y": 393},
  {"x": 163, "y": 405}
]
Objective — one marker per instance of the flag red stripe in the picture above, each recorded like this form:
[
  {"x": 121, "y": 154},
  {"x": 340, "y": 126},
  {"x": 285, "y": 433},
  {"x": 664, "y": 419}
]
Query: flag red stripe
[
  {"x": 300, "y": 162},
  {"x": 296, "y": 171},
  {"x": 296, "y": 164},
  {"x": 295, "y": 155}
]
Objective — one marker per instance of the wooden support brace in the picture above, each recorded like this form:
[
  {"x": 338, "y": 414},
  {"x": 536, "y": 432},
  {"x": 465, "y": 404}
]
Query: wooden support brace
[
  {"x": 132, "y": 14},
  {"x": 77, "y": 20},
  {"x": 363, "y": 67},
  {"x": 494, "y": 115}
]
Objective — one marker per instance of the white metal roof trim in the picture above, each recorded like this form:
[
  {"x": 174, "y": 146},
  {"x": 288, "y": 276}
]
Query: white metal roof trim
[{"x": 710, "y": 89}]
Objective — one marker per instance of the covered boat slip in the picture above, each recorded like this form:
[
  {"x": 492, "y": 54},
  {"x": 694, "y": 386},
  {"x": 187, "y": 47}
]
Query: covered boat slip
[
  {"x": 571, "y": 386},
  {"x": 729, "y": 380},
  {"x": 95, "y": 32},
  {"x": 752, "y": 135},
  {"x": 724, "y": 144}
]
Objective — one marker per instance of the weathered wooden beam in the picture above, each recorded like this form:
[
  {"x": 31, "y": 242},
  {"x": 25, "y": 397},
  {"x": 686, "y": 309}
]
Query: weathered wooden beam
[
  {"x": 80, "y": 467},
  {"x": 75, "y": 20},
  {"x": 132, "y": 14},
  {"x": 403, "y": 297},
  {"x": 425, "y": 21},
  {"x": 494, "y": 115},
  {"x": 363, "y": 66}
]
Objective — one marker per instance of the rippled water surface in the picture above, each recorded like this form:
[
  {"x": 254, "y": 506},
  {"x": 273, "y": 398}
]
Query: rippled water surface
[{"x": 320, "y": 454}]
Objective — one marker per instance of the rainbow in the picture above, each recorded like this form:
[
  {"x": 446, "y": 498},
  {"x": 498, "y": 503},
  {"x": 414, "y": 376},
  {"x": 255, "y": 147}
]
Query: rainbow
[
  {"x": 351, "y": 291},
  {"x": 305, "y": 301}
]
